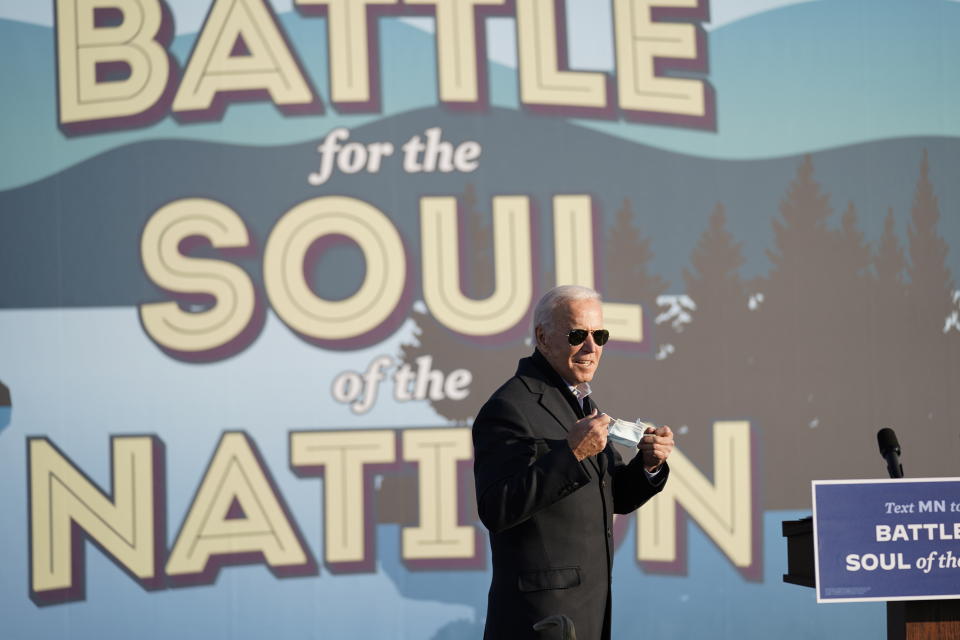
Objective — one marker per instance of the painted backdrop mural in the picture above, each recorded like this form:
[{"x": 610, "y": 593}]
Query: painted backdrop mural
[{"x": 262, "y": 262}]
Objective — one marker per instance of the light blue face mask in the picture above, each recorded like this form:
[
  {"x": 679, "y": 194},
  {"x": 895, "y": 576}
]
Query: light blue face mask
[{"x": 626, "y": 433}]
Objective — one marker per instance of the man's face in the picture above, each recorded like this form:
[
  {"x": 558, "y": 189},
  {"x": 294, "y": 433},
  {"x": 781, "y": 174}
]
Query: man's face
[{"x": 577, "y": 363}]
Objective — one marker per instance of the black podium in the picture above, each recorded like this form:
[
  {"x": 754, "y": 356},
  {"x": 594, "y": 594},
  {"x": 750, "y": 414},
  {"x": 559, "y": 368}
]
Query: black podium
[{"x": 906, "y": 619}]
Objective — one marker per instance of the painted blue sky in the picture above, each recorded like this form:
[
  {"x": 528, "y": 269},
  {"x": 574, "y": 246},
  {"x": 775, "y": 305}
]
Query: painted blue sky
[{"x": 588, "y": 24}]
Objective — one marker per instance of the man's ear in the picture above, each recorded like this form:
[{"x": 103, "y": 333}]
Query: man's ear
[{"x": 539, "y": 334}]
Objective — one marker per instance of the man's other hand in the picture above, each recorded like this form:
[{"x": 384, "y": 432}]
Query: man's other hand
[
  {"x": 588, "y": 436},
  {"x": 655, "y": 447}
]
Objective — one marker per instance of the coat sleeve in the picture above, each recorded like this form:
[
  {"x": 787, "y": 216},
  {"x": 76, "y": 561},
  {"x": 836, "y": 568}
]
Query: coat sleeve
[
  {"x": 632, "y": 486},
  {"x": 516, "y": 473}
]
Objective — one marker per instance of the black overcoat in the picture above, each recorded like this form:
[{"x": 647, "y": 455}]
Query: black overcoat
[{"x": 550, "y": 516}]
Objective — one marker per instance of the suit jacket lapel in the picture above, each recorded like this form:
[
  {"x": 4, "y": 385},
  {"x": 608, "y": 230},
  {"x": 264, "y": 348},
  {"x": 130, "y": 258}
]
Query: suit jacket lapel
[
  {"x": 541, "y": 379},
  {"x": 556, "y": 405}
]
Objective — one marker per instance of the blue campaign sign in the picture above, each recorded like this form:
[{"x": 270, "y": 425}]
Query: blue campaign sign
[{"x": 887, "y": 539}]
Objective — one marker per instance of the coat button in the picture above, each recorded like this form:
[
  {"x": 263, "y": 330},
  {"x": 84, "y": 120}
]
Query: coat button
[
  {"x": 603, "y": 483},
  {"x": 609, "y": 533}
]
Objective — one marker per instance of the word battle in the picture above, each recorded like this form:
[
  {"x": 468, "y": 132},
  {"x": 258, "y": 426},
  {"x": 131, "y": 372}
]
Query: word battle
[
  {"x": 917, "y": 531},
  {"x": 115, "y": 69},
  {"x": 237, "y": 515}
]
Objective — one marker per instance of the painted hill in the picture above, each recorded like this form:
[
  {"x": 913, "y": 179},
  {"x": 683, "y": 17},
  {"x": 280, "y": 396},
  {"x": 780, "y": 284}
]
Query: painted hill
[{"x": 113, "y": 195}]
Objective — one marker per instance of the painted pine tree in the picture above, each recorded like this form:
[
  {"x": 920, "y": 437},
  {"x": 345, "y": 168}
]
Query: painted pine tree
[
  {"x": 712, "y": 359},
  {"x": 636, "y": 388},
  {"x": 929, "y": 290}
]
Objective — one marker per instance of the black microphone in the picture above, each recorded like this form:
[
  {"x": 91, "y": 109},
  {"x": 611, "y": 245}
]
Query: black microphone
[{"x": 890, "y": 450}]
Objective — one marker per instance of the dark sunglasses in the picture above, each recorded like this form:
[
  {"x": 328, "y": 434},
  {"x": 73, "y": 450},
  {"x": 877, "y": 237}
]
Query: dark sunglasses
[{"x": 577, "y": 336}]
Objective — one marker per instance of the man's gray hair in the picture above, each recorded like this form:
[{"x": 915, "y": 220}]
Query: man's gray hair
[{"x": 544, "y": 312}]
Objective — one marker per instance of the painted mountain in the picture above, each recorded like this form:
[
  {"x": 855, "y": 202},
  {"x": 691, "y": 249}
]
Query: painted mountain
[{"x": 797, "y": 79}]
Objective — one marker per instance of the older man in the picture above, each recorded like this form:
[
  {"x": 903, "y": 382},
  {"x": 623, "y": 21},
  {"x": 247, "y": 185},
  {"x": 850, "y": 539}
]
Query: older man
[{"x": 548, "y": 482}]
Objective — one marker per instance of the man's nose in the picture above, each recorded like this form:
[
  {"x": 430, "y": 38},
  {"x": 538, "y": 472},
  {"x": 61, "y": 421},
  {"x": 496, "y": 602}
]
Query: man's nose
[{"x": 590, "y": 345}]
